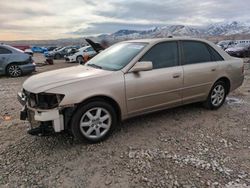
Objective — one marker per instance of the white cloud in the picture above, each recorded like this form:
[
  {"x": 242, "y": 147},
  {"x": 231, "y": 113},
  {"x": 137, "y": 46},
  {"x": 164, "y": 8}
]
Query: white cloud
[{"x": 50, "y": 19}]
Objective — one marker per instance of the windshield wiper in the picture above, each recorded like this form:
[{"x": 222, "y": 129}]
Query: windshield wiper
[{"x": 95, "y": 66}]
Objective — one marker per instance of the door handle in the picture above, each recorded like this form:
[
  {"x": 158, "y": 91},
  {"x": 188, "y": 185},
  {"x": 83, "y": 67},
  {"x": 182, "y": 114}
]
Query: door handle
[
  {"x": 176, "y": 76},
  {"x": 214, "y": 69}
]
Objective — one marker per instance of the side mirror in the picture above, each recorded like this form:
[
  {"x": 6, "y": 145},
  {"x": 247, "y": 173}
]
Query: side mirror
[{"x": 142, "y": 66}]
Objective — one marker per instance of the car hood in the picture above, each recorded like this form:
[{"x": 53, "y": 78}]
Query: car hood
[
  {"x": 75, "y": 54},
  {"x": 235, "y": 49},
  {"x": 52, "y": 79}
]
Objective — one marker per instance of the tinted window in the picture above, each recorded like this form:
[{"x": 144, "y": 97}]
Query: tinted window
[
  {"x": 4, "y": 51},
  {"x": 162, "y": 55},
  {"x": 195, "y": 52},
  {"x": 215, "y": 55}
]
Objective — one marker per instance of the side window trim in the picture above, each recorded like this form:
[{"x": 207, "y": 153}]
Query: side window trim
[{"x": 178, "y": 52}]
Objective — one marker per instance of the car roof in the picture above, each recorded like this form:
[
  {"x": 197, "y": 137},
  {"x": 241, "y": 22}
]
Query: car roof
[
  {"x": 13, "y": 49},
  {"x": 5, "y": 45},
  {"x": 156, "y": 40}
]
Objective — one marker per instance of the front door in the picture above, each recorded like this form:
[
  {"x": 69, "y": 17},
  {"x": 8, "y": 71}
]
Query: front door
[{"x": 157, "y": 88}]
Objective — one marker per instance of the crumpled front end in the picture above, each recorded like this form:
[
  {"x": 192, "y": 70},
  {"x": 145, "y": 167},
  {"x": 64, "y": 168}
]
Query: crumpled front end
[{"x": 42, "y": 111}]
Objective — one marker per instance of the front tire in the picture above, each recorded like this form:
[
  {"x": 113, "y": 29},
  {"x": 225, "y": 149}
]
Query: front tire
[
  {"x": 217, "y": 96},
  {"x": 79, "y": 60},
  {"x": 94, "y": 121},
  {"x": 14, "y": 70}
]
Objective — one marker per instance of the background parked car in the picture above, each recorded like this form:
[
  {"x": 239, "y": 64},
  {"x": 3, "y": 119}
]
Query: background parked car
[
  {"x": 78, "y": 56},
  {"x": 71, "y": 51},
  {"x": 29, "y": 51},
  {"x": 37, "y": 49},
  {"x": 51, "y": 48},
  {"x": 46, "y": 54},
  {"x": 240, "y": 50},
  {"x": 22, "y": 47},
  {"x": 15, "y": 62},
  {"x": 226, "y": 44},
  {"x": 60, "y": 53}
]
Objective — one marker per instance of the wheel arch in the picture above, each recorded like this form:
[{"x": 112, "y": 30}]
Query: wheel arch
[
  {"x": 9, "y": 64},
  {"x": 226, "y": 81},
  {"x": 107, "y": 99},
  {"x": 79, "y": 55}
]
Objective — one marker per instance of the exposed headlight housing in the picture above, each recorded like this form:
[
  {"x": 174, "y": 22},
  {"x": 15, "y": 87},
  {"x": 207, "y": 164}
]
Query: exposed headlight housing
[{"x": 43, "y": 100}]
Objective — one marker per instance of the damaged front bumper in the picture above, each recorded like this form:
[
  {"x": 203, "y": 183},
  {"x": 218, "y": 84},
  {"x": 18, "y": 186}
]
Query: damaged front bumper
[{"x": 41, "y": 120}]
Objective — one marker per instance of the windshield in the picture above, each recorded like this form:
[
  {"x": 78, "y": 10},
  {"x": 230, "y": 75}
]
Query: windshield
[{"x": 117, "y": 56}]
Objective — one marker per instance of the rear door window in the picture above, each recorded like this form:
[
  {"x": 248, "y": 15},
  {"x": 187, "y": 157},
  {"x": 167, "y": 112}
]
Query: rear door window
[
  {"x": 195, "y": 52},
  {"x": 4, "y": 51},
  {"x": 215, "y": 55}
]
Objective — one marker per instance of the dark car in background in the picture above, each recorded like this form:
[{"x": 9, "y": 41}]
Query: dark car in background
[
  {"x": 14, "y": 62},
  {"x": 51, "y": 48},
  {"x": 240, "y": 50}
]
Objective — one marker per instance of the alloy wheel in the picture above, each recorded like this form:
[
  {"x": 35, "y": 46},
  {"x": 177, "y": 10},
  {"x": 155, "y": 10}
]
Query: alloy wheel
[
  {"x": 95, "y": 123},
  {"x": 218, "y": 95},
  {"x": 14, "y": 71}
]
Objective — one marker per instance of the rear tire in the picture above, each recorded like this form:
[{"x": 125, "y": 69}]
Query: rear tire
[
  {"x": 93, "y": 122},
  {"x": 14, "y": 70},
  {"x": 217, "y": 96}
]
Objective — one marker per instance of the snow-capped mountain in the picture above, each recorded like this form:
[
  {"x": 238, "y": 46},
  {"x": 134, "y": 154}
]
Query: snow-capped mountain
[
  {"x": 218, "y": 29},
  {"x": 227, "y": 29}
]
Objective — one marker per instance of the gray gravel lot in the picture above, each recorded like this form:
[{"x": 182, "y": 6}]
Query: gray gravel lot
[{"x": 183, "y": 147}]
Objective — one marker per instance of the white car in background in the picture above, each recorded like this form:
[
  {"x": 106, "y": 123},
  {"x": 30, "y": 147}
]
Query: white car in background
[
  {"x": 78, "y": 56},
  {"x": 226, "y": 44}
]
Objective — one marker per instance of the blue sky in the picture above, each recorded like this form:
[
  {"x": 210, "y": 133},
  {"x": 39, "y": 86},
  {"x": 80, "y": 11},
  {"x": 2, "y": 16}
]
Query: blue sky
[{"x": 52, "y": 19}]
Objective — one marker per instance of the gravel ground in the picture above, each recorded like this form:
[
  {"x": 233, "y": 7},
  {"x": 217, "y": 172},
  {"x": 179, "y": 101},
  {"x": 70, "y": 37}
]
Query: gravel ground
[{"x": 183, "y": 147}]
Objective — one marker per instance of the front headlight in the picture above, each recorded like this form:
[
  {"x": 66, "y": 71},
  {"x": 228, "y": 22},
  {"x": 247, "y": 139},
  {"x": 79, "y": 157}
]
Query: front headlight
[
  {"x": 43, "y": 100},
  {"x": 48, "y": 100}
]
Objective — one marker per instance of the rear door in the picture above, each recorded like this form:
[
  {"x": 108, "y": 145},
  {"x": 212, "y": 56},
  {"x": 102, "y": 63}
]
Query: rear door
[
  {"x": 200, "y": 70},
  {"x": 157, "y": 88}
]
